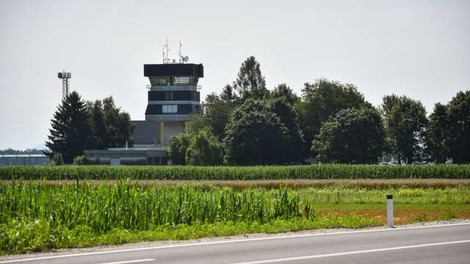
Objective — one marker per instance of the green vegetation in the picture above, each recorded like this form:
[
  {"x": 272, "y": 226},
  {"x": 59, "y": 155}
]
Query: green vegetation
[
  {"x": 324, "y": 171},
  {"x": 79, "y": 125},
  {"x": 199, "y": 148},
  {"x": 322, "y": 100},
  {"x": 351, "y": 136},
  {"x": 39, "y": 213},
  {"x": 255, "y": 135},
  {"x": 35, "y": 215},
  {"x": 323, "y": 124},
  {"x": 405, "y": 125}
]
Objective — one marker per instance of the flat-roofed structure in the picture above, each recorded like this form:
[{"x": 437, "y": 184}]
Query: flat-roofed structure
[
  {"x": 23, "y": 159},
  {"x": 172, "y": 96},
  {"x": 128, "y": 156}
]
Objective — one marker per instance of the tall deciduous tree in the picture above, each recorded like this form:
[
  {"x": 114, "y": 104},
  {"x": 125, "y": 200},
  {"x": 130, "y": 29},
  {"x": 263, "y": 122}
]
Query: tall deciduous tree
[
  {"x": 112, "y": 127},
  {"x": 255, "y": 135},
  {"x": 98, "y": 124},
  {"x": 250, "y": 82},
  {"x": 437, "y": 134},
  {"x": 289, "y": 117},
  {"x": 118, "y": 124},
  {"x": 215, "y": 114},
  {"x": 71, "y": 132},
  {"x": 323, "y": 99},
  {"x": 351, "y": 136},
  {"x": 459, "y": 117},
  {"x": 405, "y": 123}
]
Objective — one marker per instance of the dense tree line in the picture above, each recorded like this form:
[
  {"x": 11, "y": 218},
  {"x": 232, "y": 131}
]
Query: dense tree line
[
  {"x": 11, "y": 151},
  {"x": 247, "y": 124},
  {"x": 79, "y": 125}
]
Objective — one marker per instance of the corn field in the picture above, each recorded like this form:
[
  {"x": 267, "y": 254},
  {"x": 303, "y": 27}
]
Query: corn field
[
  {"x": 132, "y": 207},
  {"x": 324, "y": 171}
]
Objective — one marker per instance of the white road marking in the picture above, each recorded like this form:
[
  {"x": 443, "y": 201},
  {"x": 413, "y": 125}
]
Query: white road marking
[
  {"x": 230, "y": 241},
  {"x": 129, "y": 261},
  {"x": 353, "y": 252}
]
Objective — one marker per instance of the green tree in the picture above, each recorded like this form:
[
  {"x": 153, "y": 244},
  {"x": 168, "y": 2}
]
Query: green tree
[
  {"x": 459, "y": 119},
  {"x": 204, "y": 149},
  {"x": 215, "y": 114},
  {"x": 71, "y": 132},
  {"x": 112, "y": 127},
  {"x": 255, "y": 135},
  {"x": 118, "y": 124},
  {"x": 321, "y": 100},
  {"x": 98, "y": 123},
  {"x": 177, "y": 148},
  {"x": 284, "y": 91},
  {"x": 289, "y": 117},
  {"x": 228, "y": 95},
  {"x": 405, "y": 123},
  {"x": 351, "y": 136},
  {"x": 437, "y": 134},
  {"x": 250, "y": 82}
]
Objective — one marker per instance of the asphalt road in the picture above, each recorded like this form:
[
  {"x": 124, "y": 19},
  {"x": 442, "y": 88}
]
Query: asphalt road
[{"x": 430, "y": 244}]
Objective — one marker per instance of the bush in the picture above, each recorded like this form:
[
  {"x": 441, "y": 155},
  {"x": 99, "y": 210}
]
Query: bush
[
  {"x": 58, "y": 159},
  {"x": 79, "y": 160}
]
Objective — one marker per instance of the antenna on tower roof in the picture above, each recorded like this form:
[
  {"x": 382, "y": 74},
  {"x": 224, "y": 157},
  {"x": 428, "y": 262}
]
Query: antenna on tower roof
[
  {"x": 166, "y": 52},
  {"x": 163, "y": 54},
  {"x": 181, "y": 57}
]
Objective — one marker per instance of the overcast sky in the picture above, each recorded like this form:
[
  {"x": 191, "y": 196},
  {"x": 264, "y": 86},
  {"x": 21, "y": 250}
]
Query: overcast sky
[{"x": 420, "y": 49}]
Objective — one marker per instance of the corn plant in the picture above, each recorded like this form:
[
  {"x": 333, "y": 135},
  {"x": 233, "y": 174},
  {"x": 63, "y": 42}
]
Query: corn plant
[
  {"x": 324, "y": 171},
  {"x": 134, "y": 207}
]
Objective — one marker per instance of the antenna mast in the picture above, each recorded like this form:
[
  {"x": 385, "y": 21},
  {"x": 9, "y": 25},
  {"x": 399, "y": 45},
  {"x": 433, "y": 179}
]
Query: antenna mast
[
  {"x": 181, "y": 57},
  {"x": 166, "y": 52}
]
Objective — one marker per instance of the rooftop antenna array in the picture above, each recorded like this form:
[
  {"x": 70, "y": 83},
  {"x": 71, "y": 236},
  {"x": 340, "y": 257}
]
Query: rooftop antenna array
[
  {"x": 166, "y": 52},
  {"x": 166, "y": 56},
  {"x": 65, "y": 76},
  {"x": 183, "y": 59}
]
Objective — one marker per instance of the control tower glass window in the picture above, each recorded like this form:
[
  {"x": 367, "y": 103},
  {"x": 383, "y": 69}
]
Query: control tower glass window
[
  {"x": 171, "y": 80},
  {"x": 167, "y": 109},
  {"x": 160, "y": 80}
]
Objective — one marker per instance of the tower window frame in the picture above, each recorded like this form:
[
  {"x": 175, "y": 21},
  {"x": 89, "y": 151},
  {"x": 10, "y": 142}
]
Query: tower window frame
[{"x": 169, "y": 109}]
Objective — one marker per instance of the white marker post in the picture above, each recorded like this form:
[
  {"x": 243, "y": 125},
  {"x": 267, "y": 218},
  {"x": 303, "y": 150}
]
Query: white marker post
[{"x": 390, "y": 210}]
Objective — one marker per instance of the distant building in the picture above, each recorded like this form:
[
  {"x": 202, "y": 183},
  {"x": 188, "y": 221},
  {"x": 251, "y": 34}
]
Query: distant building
[
  {"x": 173, "y": 95},
  {"x": 23, "y": 159}
]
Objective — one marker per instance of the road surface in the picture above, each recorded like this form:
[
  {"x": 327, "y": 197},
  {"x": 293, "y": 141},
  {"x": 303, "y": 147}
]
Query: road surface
[{"x": 428, "y": 244}]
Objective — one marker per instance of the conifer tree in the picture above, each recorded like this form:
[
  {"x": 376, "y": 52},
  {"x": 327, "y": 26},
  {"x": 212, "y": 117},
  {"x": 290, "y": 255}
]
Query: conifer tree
[{"x": 71, "y": 132}]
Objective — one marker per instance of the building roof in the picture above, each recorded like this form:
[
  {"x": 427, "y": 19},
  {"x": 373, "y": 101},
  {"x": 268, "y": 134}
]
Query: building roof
[{"x": 177, "y": 69}]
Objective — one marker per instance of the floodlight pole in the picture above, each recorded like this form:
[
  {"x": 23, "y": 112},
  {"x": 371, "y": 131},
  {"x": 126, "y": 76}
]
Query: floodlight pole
[{"x": 65, "y": 76}]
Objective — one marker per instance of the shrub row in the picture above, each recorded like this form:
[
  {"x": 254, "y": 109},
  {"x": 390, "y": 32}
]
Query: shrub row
[{"x": 324, "y": 171}]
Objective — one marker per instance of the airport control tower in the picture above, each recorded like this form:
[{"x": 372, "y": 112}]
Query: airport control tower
[{"x": 173, "y": 94}]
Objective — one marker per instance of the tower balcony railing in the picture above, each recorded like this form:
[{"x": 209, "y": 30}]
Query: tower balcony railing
[{"x": 174, "y": 87}]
